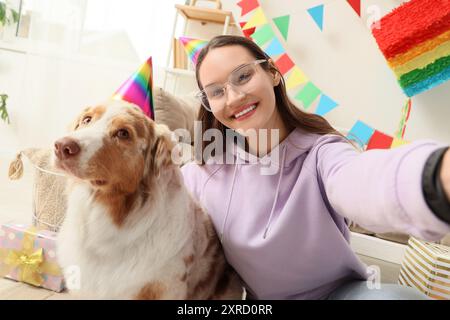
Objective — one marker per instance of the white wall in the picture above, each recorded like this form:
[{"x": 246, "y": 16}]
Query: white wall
[
  {"x": 345, "y": 62},
  {"x": 39, "y": 113}
]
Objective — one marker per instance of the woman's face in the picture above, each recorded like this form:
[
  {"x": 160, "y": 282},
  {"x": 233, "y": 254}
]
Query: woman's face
[{"x": 237, "y": 107}]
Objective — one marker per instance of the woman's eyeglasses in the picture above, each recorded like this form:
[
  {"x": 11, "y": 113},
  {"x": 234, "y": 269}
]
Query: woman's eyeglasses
[{"x": 213, "y": 97}]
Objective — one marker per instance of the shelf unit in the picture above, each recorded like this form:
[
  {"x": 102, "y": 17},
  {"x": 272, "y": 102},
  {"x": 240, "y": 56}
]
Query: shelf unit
[{"x": 191, "y": 13}]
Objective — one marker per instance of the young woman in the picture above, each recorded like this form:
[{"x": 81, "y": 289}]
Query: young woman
[{"x": 286, "y": 234}]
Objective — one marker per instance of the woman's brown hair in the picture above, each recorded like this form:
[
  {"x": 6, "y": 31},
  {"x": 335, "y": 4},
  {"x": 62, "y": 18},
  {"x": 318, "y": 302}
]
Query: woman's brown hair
[{"x": 292, "y": 116}]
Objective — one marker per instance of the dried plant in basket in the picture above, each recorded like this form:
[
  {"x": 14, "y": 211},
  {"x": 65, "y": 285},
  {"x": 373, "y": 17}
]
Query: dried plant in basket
[{"x": 49, "y": 198}]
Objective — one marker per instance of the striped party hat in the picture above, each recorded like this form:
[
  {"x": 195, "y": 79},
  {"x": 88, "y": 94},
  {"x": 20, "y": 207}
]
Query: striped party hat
[
  {"x": 415, "y": 40},
  {"x": 192, "y": 47},
  {"x": 138, "y": 89}
]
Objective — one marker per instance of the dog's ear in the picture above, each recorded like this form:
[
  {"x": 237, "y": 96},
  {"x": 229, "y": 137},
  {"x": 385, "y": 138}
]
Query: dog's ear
[{"x": 161, "y": 151}]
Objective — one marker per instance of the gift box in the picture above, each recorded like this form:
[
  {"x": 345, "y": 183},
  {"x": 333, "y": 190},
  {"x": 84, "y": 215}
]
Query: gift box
[
  {"x": 426, "y": 266},
  {"x": 28, "y": 254}
]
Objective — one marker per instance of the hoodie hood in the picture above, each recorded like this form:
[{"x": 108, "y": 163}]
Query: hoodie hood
[{"x": 297, "y": 143}]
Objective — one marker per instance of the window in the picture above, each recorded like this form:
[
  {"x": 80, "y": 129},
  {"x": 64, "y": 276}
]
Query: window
[
  {"x": 9, "y": 16},
  {"x": 127, "y": 30}
]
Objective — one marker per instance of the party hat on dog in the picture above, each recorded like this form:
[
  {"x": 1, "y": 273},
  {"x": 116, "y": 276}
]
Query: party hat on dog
[{"x": 138, "y": 89}]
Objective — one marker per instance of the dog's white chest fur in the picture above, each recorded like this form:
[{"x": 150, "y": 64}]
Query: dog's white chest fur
[{"x": 111, "y": 262}]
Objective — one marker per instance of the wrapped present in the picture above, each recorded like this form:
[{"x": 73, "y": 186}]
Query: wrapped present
[
  {"x": 28, "y": 254},
  {"x": 426, "y": 266}
]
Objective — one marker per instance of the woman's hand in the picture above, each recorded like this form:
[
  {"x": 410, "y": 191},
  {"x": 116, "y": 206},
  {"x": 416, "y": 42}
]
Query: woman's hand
[{"x": 445, "y": 173}]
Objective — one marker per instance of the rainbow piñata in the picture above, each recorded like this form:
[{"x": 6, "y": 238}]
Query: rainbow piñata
[{"x": 415, "y": 39}]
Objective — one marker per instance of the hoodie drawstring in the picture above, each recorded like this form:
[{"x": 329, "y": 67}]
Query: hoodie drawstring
[
  {"x": 283, "y": 159},
  {"x": 276, "y": 193},
  {"x": 229, "y": 202}
]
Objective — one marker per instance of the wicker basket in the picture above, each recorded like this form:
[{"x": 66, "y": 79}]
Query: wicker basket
[{"x": 49, "y": 198}]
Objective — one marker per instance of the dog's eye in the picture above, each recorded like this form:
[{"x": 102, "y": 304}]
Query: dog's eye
[
  {"x": 86, "y": 120},
  {"x": 123, "y": 134}
]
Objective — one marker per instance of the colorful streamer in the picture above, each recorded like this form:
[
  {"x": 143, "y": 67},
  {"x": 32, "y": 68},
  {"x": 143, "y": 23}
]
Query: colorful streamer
[{"x": 406, "y": 111}]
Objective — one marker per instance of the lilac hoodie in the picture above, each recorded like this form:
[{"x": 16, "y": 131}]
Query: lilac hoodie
[{"x": 286, "y": 234}]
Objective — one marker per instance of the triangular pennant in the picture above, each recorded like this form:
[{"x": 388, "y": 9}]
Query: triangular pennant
[
  {"x": 284, "y": 64},
  {"x": 257, "y": 19},
  {"x": 193, "y": 47},
  {"x": 263, "y": 34},
  {"x": 379, "y": 140},
  {"x": 326, "y": 104},
  {"x": 308, "y": 94},
  {"x": 317, "y": 14},
  {"x": 360, "y": 133},
  {"x": 138, "y": 89},
  {"x": 247, "y": 32},
  {"x": 356, "y": 5},
  {"x": 296, "y": 78},
  {"x": 274, "y": 48},
  {"x": 247, "y": 6},
  {"x": 282, "y": 24}
]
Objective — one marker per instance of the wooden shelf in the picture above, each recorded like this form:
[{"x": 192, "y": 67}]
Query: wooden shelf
[{"x": 205, "y": 14}]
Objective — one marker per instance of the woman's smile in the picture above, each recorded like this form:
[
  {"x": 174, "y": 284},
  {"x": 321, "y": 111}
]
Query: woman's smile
[{"x": 245, "y": 112}]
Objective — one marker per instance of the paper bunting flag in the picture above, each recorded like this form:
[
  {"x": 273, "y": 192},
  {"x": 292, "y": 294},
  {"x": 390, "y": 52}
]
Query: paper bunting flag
[
  {"x": 247, "y": 6},
  {"x": 257, "y": 19},
  {"x": 297, "y": 77},
  {"x": 247, "y": 32},
  {"x": 406, "y": 111},
  {"x": 356, "y": 5},
  {"x": 317, "y": 14},
  {"x": 308, "y": 94},
  {"x": 326, "y": 104},
  {"x": 360, "y": 133},
  {"x": 379, "y": 140},
  {"x": 284, "y": 63},
  {"x": 138, "y": 89},
  {"x": 282, "y": 24},
  {"x": 193, "y": 47},
  {"x": 263, "y": 35},
  {"x": 274, "y": 48}
]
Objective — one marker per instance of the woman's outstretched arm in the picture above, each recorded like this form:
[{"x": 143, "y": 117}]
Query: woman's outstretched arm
[{"x": 382, "y": 190}]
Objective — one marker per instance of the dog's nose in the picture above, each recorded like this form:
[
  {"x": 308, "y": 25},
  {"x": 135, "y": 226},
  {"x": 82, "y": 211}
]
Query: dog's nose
[{"x": 66, "y": 148}]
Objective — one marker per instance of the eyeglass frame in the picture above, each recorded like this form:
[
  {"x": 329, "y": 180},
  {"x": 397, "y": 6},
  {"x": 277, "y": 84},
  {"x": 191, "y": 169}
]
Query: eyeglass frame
[{"x": 202, "y": 96}]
